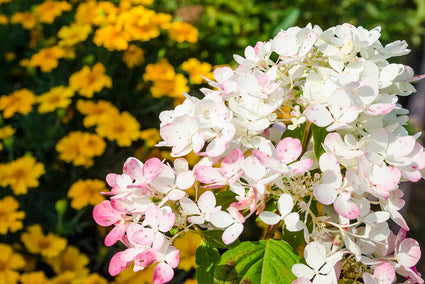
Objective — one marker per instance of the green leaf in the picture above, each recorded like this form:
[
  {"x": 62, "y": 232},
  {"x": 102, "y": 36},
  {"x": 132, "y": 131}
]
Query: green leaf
[
  {"x": 225, "y": 198},
  {"x": 213, "y": 238},
  {"x": 259, "y": 262},
  {"x": 290, "y": 17},
  {"x": 206, "y": 257},
  {"x": 298, "y": 132},
  {"x": 319, "y": 135}
]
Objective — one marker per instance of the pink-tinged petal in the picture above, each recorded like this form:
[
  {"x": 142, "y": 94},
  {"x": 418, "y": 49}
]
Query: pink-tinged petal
[
  {"x": 409, "y": 252},
  {"x": 328, "y": 162},
  {"x": 105, "y": 215},
  {"x": 221, "y": 219},
  {"x": 162, "y": 273},
  {"x": 267, "y": 160},
  {"x": 253, "y": 169},
  {"x": 196, "y": 220},
  {"x": 230, "y": 166},
  {"x": 172, "y": 257},
  {"x": 325, "y": 194},
  {"x": 176, "y": 194},
  {"x": 167, "y": 222},
  {"x": 116, "y": 265},
  {"x": 349, "y": 115},
  {"x": 385, "y": 273},
  {"x": 308, "y": 43},
  {"x": 413, "y": 176},
  {"x": 346, "y": 208},
  {"x": 198, "y": 142},
  {"x": 158, "y": 241},
  {"x": 189, "y": 206},
  {"x": 369, "y": 279},
  {"x": 153, "y": 216},
  {"x": 300, "y": 166},
  {"x": 216, "y": 147},
  {"x": 143, "y": 236},
  {"x": 289, "y": 149},
  {"x": 208, "y": 175},
  {"x": 206, "y": 201},
  {"x": 303, "y": 271},
  {"x": 269, "y": 218},
  {"x": 151, "y": 169},
  {"x": 386, "y": 178},
  {"x": 223, "y": 73},
  {"x": 145, "y": 258},
  {"x": 133, "y": 168},
  {"x": 401, "y": 146},
  {"x": 184, "y": 180},
  {"x": 380, "y": 108},
  {"x": 301, "y": 280},
  {"x": 111, "y": 179},
  {"x": 115, "y": 234},
  {"x": 318, "y": 115},
  {"x": 232, "y": 233}
]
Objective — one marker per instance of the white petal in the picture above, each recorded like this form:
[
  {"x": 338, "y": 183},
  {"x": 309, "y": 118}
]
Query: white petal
[
  {"x": 301, "y": 270},
  {"x": 221, "y": 219},
  {"x": 232, "y": 233},
  {"x": 269, "y": 218},
  {"x": 189, "y": 206}
]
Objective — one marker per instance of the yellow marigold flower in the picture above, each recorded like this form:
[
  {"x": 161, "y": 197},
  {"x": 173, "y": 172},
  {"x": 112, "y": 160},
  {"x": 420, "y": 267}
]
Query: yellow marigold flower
[
  {"x": 162, "y": 70},
  {"x": 128, "y": 276},
  {"x": 10, "y": 219},
  {"x": 133, "y": 56},
  {"x": 195, "y": 69},
  {"x": 49, "y": 10},
  {"x": 139, "y": 24},
  {"x": 75, "y": 33},
  {"x": 187, "y": 244},
  {"x": 65, "y": 278},
  {"x": 172, "y": 88},
  {"x": 94, "y": 278},
  {"x": 6, "y": 132},
  {"x": 22, "y": 173},
  {"x": 79, "y": 148},
  {"x": 36, "y": 242},
  {"x": 89, "y": 81},
  {"x": 112, "y": 38},
  {"x": 162, "y": 20},
  {"x": 26, "y": 19},
  {"x": 47, "y": 58},
  {"x": 36, "y": 277},
  {"x": 20, "y": 101},
  {"x": 181, "y": 31},
  {"x": 140, "y": 2},
  {"x": 56, "y": 97},
  {"x": 151, "y": 136},
  {"x": 85, "y": 192},
  {"x": 70, "y": 260},
  {"x": 94, "y": 13},
  {"x": 3, "y": 19},
  {"x": 10, "y": 261},
  {"x": 94, "y": 111},
  {"x": 123, "y": 128}
]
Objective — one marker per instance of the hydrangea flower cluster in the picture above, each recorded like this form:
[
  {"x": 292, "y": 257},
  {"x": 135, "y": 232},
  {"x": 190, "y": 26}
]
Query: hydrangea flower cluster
[{"x": 308, "y": 135}]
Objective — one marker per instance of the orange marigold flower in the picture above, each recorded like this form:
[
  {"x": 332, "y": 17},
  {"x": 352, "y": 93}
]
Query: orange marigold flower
[
  {"x": 10, "y": 261},
  {"x": 21, "y": 174},
  {"x": 173, "y": 88},
  {"x": 47, "y": 58},
  {"x": 36, "y": 242},
  {"x": 85, "y": 192},
  {"x": 73, "y": 34},
  {"x": 94, "y": 13},
  {"x": 187, "y": 244},
  {"x": 10, "y": 219},
  {"x": 140, "y": 2},
  {"x": 20, "y": 101},
  {"x": 195, "y": 69},
  {"x": 79, "y": 148},
  {"x": 162, "y": 70},
  {"x": 94, "y": 111},
  {"x": 49, "y": 10},
  {"x": 26, "y": 19},
  {"x": 111, "y": 37},
  {"x": 133, "y": 56},
  {"x": 138, "y": 22},
  {"x": 181, "y": 31},
  {"x": 56, "y": 97},
  {"x": 95, "y": 278},
  {"x": 70, "y": 260},
  {"x": 151, "y": 136},
  {"x": 89, "y": 81},
  {"x": 36, "y": 277},
  {"x": 123, "y": 128}
]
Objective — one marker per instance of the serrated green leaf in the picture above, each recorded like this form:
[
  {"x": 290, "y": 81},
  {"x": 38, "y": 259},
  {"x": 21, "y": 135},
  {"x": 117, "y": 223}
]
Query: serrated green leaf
[
  {"x": 213, "y": 238},
  {"x": 259, "y": 262},
  {"x": 319, "y": 135},
  {"x": 206, "y": 258}
]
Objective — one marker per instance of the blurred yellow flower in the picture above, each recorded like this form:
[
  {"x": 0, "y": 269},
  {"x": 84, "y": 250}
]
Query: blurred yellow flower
[
  {"x": 6, "y": 132},
  {"x": 190, "y": 281},
  {"x": 151, "y": 136},
  {"x": 94, "y": 278},
  {"x": 111, "y": 37},
  {"x": 133, "y": 56},
  {"x": 5, "y": 1},
  {"x": 128, "y": 276},
  {"x": 94, "y": 13},
  {"x": 68, "y": 277},
  {"x": 85, "y": 192},
  {"x": 36, "y": 277},
  {"x": 49, "y": 10},
  {"x": 10, "y": 261},
  {"x": 22, "y": 173},
  {"x": 187, "y": 244},
  {"x": 139, "y": 23},
  {"x": 181, "y": 31},
  {"x": 79, "y": 148},
  {"x": 195, "y": 69},
  {"x": 36, "y": 242},
  {"x": 162, "y": 70},
  {"x": 3, "y": 19},
  {"x": 20, "y": 101},
  {"x": 70, "y": 260},
  {"x": 137, "y": 2},
  {"x": 172, "y": 88},
  {"x": 47, "y": 58},
  {"x": 26, "y": 19},
  {"x": 89, "y": 81},
  {"x": 75, "y": 33},
  {"x": 123, "y": 128},
  {"x": 94, "y": 111},
  {"x": 10, "y": 219},
  {"x": 56, "y": 97}
]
